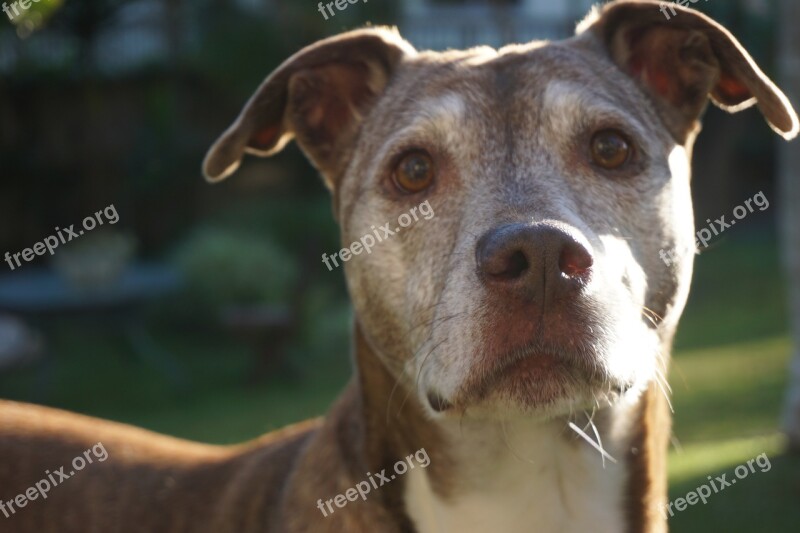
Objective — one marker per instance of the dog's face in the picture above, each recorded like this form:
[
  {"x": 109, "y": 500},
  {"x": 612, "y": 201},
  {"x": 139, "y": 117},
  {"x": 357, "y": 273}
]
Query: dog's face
[
  {"x": 556, "y": 172},
  {"x": 554, "y": 187}
]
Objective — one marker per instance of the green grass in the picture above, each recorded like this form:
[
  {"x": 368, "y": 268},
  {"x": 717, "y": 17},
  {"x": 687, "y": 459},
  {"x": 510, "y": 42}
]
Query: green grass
[
  {"x": 728, "y": 376},
  {"x": 765, "y": 500},
  {"x": 96, "y": 372},
  {"x": 738, "y": 294},
  {"x": 731, "y": 391},
  {"x": 727, "y": 402},
  {"x": 729, "y": 379}
]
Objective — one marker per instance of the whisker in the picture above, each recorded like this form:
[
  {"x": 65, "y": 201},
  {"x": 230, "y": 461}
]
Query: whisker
[
  {"x": 659, "y": 377},
  {"x": 664, "y": 379},
  {"x": 653, "y": 313},
  {"x": 593, "y": 444},
  {"x": 597, "y": 435},
  {"x": 424, "y": 360},
  {"x": 427, "y": 323},
  {"x": 507, "y": 442},
  {"x": 676, "y": 443},
  {"x": 416, "y": 383},
  {"x": 650, "y": 319},
  {"x": 391, "y": 394}
]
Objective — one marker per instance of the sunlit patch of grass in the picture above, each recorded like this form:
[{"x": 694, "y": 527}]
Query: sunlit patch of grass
[
  {"x": 701, "y": 460},
  {"x": 730, "y": 391},
  {"x": 727, "y": 404},
  {"x": 763, "y": 500}
]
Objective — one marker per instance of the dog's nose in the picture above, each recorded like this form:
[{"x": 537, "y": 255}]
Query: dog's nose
[{"x": 542, "y": 261}]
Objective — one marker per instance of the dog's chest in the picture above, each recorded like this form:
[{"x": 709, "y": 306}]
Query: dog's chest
[{"x": 552, "y": 487}]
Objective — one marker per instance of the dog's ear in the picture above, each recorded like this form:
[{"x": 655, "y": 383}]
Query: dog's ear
[
  {"x": 318, "y": 96},
  {"x": 683, "y": 60}
]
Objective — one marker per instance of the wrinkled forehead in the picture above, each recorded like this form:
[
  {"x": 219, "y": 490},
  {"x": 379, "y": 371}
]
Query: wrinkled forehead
[{"x": 496, "y": 94}]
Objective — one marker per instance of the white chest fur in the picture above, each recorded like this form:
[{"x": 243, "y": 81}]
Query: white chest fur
[{"x": 524, "y": 477}]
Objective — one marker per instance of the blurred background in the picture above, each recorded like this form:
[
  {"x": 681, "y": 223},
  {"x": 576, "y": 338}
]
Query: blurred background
[{"x": 205, "y": 311}]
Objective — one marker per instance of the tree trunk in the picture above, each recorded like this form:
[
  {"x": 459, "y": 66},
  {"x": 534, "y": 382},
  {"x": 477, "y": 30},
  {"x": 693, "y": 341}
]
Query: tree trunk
[{"x": 789, "y": 48}]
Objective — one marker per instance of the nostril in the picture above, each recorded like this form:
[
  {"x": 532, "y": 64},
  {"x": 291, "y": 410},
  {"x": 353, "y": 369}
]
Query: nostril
[
  {"x": 575, "y": 260},
  {"x": 505, "y": 264},
  {"x": 530, "y": 255},
  {"x": 501, "y": 254},
  {"x": 514, "y": 266}
]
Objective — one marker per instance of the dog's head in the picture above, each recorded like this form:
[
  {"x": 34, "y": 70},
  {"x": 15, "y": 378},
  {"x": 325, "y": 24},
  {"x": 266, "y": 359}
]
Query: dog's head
[{"x": 556, "y": 172}]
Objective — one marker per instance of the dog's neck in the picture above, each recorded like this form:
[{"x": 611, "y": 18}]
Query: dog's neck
[
  {"x": 511, "y": 476},
  {"x": 506, "y": 476}
]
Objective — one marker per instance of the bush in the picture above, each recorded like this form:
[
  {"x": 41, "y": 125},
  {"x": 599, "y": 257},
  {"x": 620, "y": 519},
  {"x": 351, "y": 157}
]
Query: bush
[{"x": 224, "y": 268}]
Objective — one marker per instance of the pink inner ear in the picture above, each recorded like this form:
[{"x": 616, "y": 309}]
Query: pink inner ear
[
  {"x": 657, "y": 78},
  {"x": 674, "y": 65},
  {"x": 731, "y": 91},
  {"x": 654, "y": 63},
  {"x": 661, "y": 82},
  {"x": 324, "y": 100},
  {"x": 265, "y": 138}
]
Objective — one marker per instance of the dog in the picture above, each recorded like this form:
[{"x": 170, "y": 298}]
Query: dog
[{"x": 516, "y": 343}]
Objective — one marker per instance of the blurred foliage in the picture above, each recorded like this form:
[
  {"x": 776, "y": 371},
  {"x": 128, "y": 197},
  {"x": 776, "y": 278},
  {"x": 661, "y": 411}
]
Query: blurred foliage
[
  {"x": 224, "y": 268},
  {"x": 35, "y": 17},
  {"x": 236, "y": 51},
  {"x": 96, "y": 260}
]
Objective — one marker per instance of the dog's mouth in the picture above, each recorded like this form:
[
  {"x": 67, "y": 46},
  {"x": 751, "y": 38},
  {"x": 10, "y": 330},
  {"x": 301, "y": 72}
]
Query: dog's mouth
[
  {"x": 529, "y": 378},
  {"x": 532, "y": 378},
  {"x": 532, "y": 363},
  {"x": 532, "y": 369}
]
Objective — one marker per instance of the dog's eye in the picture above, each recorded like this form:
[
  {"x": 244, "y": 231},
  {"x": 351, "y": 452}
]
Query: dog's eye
[
  {"x": 610, "y": 149},
  {"x": 414, "y": 172}
]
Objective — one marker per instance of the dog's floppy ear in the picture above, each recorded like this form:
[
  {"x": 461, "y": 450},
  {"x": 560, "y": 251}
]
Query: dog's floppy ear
[
  {"x": 684, "y": 59},
  {"x": 317, "y": 96}
]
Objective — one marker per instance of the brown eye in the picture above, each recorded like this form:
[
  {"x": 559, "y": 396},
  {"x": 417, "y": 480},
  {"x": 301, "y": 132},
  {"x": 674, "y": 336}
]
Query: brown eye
[
  {"x": 414, "y": 172},
  {"x": 610, "y": 149}
]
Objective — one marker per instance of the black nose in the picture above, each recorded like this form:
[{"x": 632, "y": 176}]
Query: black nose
[{"x": 540, "y": 261}]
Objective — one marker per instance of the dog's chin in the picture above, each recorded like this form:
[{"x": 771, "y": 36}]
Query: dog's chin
[
  {"x": 543, "y": 386},
  {"x": 519, "y": 401}
]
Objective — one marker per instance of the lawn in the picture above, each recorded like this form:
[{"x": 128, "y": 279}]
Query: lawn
[
  {"x": 729, "y": 379},
  {"x": 728, "y": 376}
]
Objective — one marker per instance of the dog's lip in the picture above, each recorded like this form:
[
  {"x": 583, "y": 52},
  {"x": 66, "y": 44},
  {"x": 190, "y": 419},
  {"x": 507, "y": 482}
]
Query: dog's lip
[
  {"x": 514, "y": 372},
  {"x": 531, "y": 354},
  {"x": 544, "y": 368},
  {"x": 524, "y": 367},
  {"x": 530, "y": 366}
]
